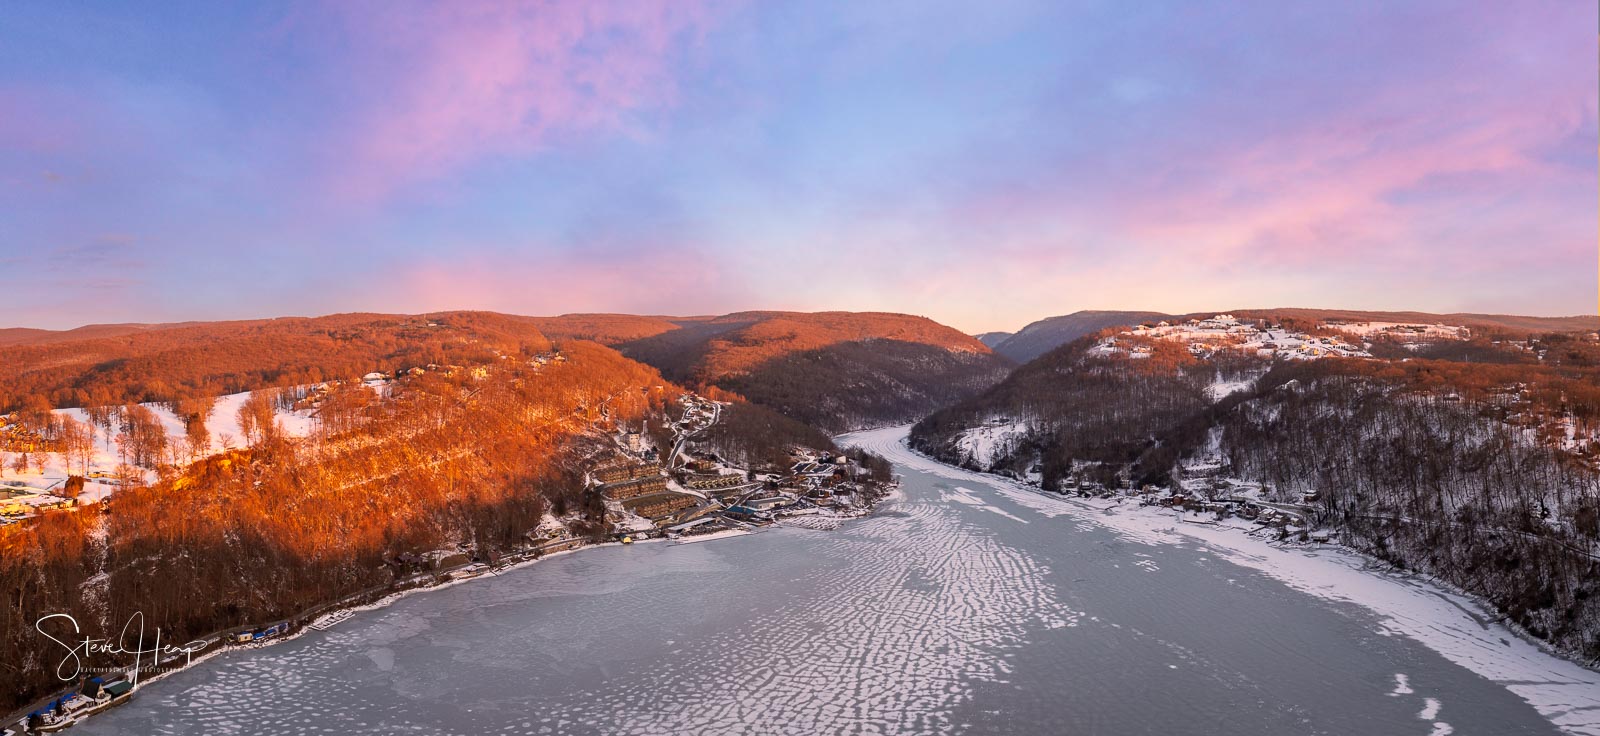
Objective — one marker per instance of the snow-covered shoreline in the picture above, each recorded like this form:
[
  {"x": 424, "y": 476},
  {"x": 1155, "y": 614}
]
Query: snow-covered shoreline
[
  {"x": 345, "y": 612},
  {"x": 1449, "y": 622}
]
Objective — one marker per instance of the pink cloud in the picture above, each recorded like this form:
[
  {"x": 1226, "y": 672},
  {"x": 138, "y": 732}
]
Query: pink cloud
[
  {"x": 1333, "y": 187},
  {"x": 1382, "y": 177},
  {"x": 451, "y": 83},
  {"x": 533, "y": 281}
]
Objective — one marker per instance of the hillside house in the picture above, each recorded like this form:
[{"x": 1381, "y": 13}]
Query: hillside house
[
  {"x": 635, "y": 487},
  {"x": 714, "y": 482},
  {"x": 623, "y": 470},
  {"x": 660, "y": 505}
]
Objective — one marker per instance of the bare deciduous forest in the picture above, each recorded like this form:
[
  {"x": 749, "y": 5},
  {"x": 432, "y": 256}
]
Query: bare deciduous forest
[
  {"x": 210, "y": 359},
  {"x": 472, "y": 444},
  {"x": 833, "y": 370},
  {"x": 1473, "y": 461},
  {"x": 261, "y": 533}
]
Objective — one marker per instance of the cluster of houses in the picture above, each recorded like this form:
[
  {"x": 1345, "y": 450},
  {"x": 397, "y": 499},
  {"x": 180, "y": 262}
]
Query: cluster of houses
[
  {"x": 814, "y": 484},
  {"x": 543, "y": 359},
  {"x": 1243, "y": 502},
  {"x": 1404, "y": 333},
  {"x": 696, "y": 493},
  {"x": 1203, "y": 495},
  {"x": 19, "y": 501},
  {"x": 1202, "y": 488},
  {"x": 1207, "y": 337},
  {"x": 698, "y": 411},
  {"x": 16, "y": 438},
  {"x": 93, "y": 695}
]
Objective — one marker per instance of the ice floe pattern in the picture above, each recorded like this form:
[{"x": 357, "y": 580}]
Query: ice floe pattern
[
  {"x": 219, "y": 706},
  {"x": 904, "y": 615},
  {"x": 1430, "y": 706},
  {"x": 933, "y": 616},
  {"x": 1448, "y": 623},
  {"x": 299, "y": 688},
  {"x": 460, "y": 679},
  {"x": 918, "y": 606},
  {"x": 969, "y": 497}
]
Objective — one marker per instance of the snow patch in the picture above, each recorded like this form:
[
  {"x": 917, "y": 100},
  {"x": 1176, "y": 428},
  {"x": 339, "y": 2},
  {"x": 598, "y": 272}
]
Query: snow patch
[
  {"x": 995, "y": 439},
  {"x": 1430, "y": 709}
]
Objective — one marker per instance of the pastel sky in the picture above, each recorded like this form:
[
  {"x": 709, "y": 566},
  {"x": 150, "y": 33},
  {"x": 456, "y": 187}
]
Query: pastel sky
[{"x": 981, "y": 163}]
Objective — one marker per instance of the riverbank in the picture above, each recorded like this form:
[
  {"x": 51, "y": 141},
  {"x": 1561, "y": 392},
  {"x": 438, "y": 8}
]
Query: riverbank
[
  {"x": 327, "y": 615},
  {"x": 218, "y": 642},
  {"x": 928, "y": 616},
  {"x": 1449, "y": 622}
]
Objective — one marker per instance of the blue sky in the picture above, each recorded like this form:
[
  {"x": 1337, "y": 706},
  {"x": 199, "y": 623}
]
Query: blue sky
[{"x": 982, "y": 164}]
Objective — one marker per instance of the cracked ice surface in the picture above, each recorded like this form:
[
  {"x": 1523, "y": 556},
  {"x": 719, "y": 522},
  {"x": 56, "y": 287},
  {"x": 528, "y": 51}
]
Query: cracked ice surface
[{"x": 925, "y": 607}]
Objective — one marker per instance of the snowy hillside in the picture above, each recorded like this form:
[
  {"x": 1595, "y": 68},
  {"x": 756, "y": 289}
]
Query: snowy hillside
[
  {"x": 1225, "y": 332},
  {"x": 108, "y": 453}
]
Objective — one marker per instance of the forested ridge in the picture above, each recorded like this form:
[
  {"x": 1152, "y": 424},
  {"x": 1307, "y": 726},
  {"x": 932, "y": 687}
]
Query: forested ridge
[
  {"x": 834, "y": 370},
  {"x": 1042, "y": 336},
  {"x": 868, "y": 383},
  {"x": 211, "y": 359},
  {"x": 1475, "y": 461},
  {"x": 465, "y": 460},
  {"x": 480, "y": 426}
]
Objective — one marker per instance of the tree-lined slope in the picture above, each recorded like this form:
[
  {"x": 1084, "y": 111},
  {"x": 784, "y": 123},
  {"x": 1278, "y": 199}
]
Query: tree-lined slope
[
  {"x": 1047, "y": 334},
  {"x": 458, "y": 461},
  {"x": 215, "y": 358},
  {"x": 1473, "y": 459},
  {"x": 834, "y": 370}
]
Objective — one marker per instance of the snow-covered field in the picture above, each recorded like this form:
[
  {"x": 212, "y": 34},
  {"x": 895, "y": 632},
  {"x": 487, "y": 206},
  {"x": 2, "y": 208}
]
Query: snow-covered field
[
  {"x": 222, "y": 426},
  {"x": 1454, "y": 625},
  {"x": 1221, "y": 388}
]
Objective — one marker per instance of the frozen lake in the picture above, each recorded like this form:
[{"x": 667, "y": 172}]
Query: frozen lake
[{"x": 958, "y": 608}]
